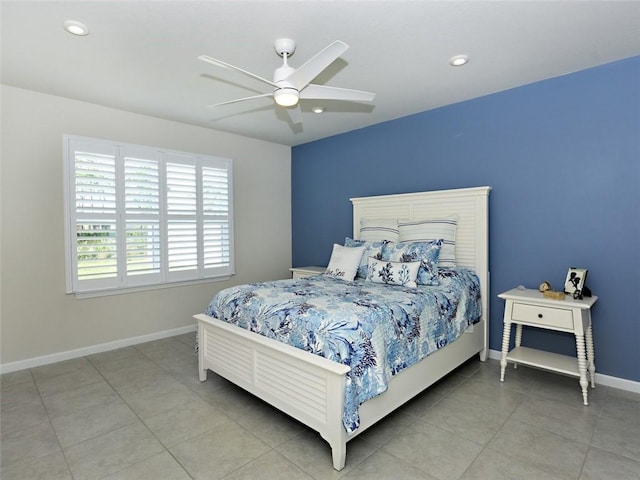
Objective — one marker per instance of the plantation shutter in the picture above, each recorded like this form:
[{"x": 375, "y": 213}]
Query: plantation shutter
[
  {"x": 142, "y": 216},
  {"x": 138, "y": 216},
  {"x": 94, "y": 218}
]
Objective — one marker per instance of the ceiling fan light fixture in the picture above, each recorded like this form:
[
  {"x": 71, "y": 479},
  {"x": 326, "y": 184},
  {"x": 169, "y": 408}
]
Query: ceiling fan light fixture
[
  {"x": 459, "y": 60},
  {"x": 286, "y": 97},
  {"x": 76, "y": 28}
]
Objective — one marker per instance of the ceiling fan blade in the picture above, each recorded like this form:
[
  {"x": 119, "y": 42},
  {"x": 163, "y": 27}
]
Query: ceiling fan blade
[
  {"x": 220, "y": 63},
  {"x": 316, "y": 64},
  {"x": 240, "y": 100},
  {"x": 323, "y": 92},
  {"x": 295, "y": 114}
]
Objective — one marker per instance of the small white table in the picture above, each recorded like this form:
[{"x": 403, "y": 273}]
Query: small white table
[
  {"x": 532, "y": 308},
  {"x": 302, "y": 272}
]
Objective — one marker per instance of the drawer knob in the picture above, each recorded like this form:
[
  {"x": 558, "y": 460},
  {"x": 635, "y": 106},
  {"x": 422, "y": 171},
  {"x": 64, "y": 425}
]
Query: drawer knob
[{"x": 539, "y": 315}]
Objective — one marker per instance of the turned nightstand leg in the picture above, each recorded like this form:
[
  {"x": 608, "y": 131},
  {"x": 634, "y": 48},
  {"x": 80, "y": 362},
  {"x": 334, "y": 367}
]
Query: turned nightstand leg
[
  {"x": 518, "y": 340},
  {"x": 590, "y": 357},
  {"x": 582, "y": 367},
  {"x": 506, "y": 336}
]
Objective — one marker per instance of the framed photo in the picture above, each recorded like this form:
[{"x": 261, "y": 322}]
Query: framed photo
[{"x": 574, "y": 284}]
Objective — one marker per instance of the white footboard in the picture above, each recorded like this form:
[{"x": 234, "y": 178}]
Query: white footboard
[{"x": 308, "y": 387}]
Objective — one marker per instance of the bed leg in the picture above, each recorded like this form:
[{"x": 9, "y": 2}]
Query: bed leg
[
  {"x": 339, "y": 455},
  {"x": 202, "y": 374},
  {"x": 484, "y": 354}
]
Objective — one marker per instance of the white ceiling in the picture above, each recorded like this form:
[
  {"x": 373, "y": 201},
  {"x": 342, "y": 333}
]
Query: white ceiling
[{"x": 140, "y": 56}]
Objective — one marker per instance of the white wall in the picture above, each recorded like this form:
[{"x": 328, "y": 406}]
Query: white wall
[{"x": 37, "y": 317}]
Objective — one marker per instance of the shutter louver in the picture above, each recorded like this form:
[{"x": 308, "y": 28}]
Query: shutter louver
[
  {"x": 95, "y": 201},
  {"x": 215, "y": 200},
  {"x": 182, "y": 234},
  {"x": 142, "y": 211}
]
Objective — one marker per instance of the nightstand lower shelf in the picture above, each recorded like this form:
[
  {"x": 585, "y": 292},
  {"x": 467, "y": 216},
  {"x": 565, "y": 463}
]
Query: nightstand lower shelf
[{"x": 546, "y": 360}]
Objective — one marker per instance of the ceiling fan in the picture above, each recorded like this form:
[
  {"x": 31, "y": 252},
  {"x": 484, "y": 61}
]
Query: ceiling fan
[{"x": 290, "y": 85}]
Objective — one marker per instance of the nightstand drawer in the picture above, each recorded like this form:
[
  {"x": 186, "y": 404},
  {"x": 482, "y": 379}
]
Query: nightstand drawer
[{"x": 546, "y": 316}]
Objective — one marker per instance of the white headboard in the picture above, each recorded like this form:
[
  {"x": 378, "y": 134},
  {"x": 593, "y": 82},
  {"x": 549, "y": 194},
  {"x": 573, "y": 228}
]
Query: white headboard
[{"x": 471, "y": 205}]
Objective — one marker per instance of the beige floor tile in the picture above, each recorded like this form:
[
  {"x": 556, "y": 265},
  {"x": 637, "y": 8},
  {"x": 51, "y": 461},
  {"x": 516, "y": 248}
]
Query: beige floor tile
[
  {"x": 270, "y": 466},
  {"x": 79, "y": 377},
  {"x": 185, "y": 421},
  {"x": 158, "y": 467},
  {"x": 491, "y": 465},
  {"x": 576, "y": 422},
  {"x": 111, "y": 452},
  {"x": 383, "y": 466},
  {"x": 434, "y": 450},
  {"x": 14, "y": 378},
  {"x": 538, "y": 447},
  {"x": 617, "y": 436},
  {"x": 28, "y": 444},
  {"x": 313, "y": 454},
  {"x": 601, "y": 465},
  {"x": 270, "y": 425},
  {"x": 69, "y": 402},
  {"x": 159, "y": 396},
  {"x": 48, "y": 467},
  {"x": 475, "y": 422},
  {"x": 90, "y": 422},
  {"x": 219, "y": 451}
]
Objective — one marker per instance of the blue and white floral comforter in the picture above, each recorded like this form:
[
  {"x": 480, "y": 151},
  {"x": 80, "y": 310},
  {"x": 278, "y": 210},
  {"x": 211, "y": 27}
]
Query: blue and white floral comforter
[{"x": 376, "y": 329}]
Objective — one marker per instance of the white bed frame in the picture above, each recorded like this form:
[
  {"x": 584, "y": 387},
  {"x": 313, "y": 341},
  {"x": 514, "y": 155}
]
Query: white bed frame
[{"x": 310, "y": 388}]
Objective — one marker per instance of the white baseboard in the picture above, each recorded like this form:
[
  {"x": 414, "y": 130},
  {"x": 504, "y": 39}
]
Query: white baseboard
[
  {"x": 84, "y": 351},
  {"x": 606, "y": 380}
]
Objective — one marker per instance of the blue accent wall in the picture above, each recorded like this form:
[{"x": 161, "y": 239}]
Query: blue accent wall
[{"x": 563, "y": 158}]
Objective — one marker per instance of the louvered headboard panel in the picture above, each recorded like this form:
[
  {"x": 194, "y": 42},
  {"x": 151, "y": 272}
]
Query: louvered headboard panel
[{"x": 470, "y": 205}]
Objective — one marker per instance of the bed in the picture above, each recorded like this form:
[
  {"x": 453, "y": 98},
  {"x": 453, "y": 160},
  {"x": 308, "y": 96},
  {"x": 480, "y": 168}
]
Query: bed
[{"x": 311, "y": 388}]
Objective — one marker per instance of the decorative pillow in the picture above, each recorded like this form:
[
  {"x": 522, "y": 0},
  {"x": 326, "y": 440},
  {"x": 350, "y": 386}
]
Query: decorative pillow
[
  {"x": 393, "y": 273},
  {"x": 426, "y": 253},
  {"x": 344, "y": 262},
  {"x": 430, "y": 230},
  {"x": 378, "y": 229},
  {"x": 371, "y": 249}
]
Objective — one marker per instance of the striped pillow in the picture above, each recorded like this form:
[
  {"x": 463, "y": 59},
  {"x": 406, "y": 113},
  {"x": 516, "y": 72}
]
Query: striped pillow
[
  {"x": 430, "y": 230},
  {"x": 378, "y": 229}
]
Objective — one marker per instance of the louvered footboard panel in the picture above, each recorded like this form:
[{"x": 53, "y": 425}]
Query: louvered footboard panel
[
  {"x": 303, "y": 390},
  {"x": 306, "y": 386},
  {"x": 232, "y": 359}
]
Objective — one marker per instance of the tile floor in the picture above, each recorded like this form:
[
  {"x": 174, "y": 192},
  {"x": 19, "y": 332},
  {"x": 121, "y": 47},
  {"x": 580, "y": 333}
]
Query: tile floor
[{"x": 141, "y": 413}]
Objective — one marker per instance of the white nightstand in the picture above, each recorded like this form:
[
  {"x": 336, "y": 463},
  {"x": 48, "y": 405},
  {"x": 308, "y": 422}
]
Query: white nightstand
[
  {"x": 531, "y": 308},
  {"x": 302, "y": 272}
]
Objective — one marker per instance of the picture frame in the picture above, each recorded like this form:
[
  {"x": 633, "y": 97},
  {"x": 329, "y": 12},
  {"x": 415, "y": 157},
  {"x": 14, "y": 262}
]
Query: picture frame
[{"x": 574, "y": 283}]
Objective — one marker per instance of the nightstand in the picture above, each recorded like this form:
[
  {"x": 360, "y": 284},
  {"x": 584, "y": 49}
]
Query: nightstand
[
  {"x": 532, "y": 308},
  {"x": 302, "y": 272}
]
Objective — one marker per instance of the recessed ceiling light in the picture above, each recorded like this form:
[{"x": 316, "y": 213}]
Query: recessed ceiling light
[
  {"x": 317, "y": 109},
  {"x": 76, "y": 28},
  {"x": 459, "y": 60}
]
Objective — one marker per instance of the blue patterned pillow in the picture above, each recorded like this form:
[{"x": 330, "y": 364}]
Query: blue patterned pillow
[
  {"x": 371, "y": 249},
  {"x": 430, "y": 230},
  {"x": 393, "y": 273},
  {"x": 426, "y": 253}
]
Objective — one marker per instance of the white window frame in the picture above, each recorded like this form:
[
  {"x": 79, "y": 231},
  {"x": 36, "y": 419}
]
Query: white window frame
[{"x": 206, "y": 216}]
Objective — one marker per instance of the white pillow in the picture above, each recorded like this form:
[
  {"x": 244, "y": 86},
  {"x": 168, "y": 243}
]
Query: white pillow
[
  {"x": 344, "y": 262},
  {"x": 393, "y": 273},
  {"x": 378, "y": 229},
  {"x": 430, "y": 230}
]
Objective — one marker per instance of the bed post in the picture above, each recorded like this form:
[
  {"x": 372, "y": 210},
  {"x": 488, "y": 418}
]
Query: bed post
[{"x": 202, "y": 371}]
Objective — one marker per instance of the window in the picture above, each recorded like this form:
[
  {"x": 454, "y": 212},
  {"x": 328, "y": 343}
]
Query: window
[{"x": 141, "y": 216}]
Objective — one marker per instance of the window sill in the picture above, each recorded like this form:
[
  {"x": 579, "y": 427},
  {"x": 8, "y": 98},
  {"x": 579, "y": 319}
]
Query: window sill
[{"x": 146, "y": 288}]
